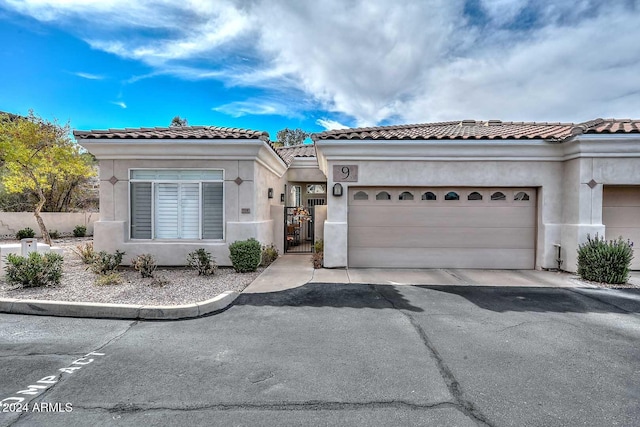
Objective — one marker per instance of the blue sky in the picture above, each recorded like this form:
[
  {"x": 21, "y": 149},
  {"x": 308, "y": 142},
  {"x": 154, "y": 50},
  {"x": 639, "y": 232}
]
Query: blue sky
[{"x": 271, "y": 64}]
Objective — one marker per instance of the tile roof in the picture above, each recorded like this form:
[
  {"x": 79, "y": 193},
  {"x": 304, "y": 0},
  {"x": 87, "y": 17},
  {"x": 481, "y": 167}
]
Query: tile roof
[
  {"x": 601, "y": 126},
  {"x": 492, "y": 129},
  {"x": 177, "y": 132},
  {"x": 289, "y": 153}
]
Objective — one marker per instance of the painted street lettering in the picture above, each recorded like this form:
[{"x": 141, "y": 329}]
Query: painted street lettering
[{"x": 32, "y": 390}]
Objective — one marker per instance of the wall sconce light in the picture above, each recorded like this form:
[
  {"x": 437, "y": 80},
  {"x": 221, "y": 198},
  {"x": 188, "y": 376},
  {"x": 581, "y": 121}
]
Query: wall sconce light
[
  {"x": 281, "y": 197},
  {"x": 270, "y": 193},
  {"x": 337, "y": 190}
]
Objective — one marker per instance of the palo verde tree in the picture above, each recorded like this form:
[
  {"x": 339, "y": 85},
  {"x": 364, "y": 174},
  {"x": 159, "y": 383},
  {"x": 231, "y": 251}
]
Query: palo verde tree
[
  {"x": 177, "y": 121},
  {"x": 37, "y": 153},
  {"x": 288, "y": 137}
]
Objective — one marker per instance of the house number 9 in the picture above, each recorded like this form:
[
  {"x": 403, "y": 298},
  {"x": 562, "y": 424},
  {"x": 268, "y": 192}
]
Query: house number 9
[{"x": 345, "y": 173}]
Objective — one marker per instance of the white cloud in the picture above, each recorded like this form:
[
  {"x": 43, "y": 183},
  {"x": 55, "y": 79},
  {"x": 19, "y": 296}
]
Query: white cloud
[
  {"x": 329, "y": 124},
  {"x": 119, "y": 104},
  {"x": 376, "y": 61},
  {"x": 257, "y": 107},
  {"x": 89, "y": 76}
]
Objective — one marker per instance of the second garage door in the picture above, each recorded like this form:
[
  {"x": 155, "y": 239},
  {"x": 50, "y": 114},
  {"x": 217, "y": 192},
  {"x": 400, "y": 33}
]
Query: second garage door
[
  {"x": 442, "y": 227},
  {"x": 621, "y": 216}
]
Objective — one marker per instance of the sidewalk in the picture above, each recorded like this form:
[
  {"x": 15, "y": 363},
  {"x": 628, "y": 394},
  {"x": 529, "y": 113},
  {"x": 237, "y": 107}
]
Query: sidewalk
[{"x": 294, "y": 270}]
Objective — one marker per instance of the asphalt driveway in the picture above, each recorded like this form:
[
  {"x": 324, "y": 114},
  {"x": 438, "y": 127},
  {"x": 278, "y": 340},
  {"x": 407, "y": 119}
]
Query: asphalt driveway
[{"x": 341, "y": 354}]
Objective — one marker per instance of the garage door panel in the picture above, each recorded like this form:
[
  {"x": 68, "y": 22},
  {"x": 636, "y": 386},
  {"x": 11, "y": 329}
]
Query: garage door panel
[
  {"x": 621, "y": 196},
  {"x": 621, "y": 216},
  {"x": 627, "y": 215},
  {"x": 443, "y": 216},
  {"x": 441, "y": 237},
  {"x": 440, "y": 233},
  {"x": 632, "y": 234},
  {"x": 441, "y": 258}
]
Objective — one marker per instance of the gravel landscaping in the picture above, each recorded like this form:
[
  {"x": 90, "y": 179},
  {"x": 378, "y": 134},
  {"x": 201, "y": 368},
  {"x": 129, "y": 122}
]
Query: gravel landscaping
[{"x": 172, "y": 286}]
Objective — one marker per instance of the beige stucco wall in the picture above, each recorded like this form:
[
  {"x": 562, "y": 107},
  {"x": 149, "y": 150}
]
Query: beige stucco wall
[
  {"x": 305, "y": 175},
  {"x": 112, "y": 231},
  {"x": 545, "y": 175},
  {"x": 568, "y": 208},
  {"x": 63, "y": 222}
]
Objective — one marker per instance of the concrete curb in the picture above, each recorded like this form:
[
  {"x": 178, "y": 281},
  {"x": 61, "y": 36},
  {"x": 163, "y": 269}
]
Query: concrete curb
[{"x": 117, "y": 311}]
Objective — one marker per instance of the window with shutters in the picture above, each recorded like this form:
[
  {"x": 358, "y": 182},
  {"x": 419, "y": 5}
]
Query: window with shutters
[{"x": 177, "y": 204}]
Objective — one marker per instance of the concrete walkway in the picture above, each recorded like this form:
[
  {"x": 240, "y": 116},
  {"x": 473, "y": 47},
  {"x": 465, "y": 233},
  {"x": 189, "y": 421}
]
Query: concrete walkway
[{"x": 294, "y": 270}]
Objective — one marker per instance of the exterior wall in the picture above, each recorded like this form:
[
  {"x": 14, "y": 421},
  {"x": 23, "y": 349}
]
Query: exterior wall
[
  {"x": 568, "y": 207},
  {"x": 63, "y": 222},
  {"x": 320, "y": 216},
  {"x": 583, "y": 205},
  {"x": 305, "y": 175},
  {"x": 112, "y": 231},
  {"x": 545, "y": 175},
  {"x": 265, "y": 207}
]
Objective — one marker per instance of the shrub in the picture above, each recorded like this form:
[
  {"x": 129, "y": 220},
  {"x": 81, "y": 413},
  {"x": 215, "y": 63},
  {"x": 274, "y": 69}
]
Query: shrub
[
  {"x": 605, "y": 261},
  {"x": 202, "y": 261},
  {"x": 109, "y": 279},
  {"x": 318, "y": 254},
  {"x": 80, "y": 231},
  {"x": 159, "y": 282},
  {"x": 106, "y": 263},
  {"x": 54, "y": 234},
  {"x": 35, "y": 270},
  {"x": 85, "y": 252},
  {"x": 25, "y": 233},
  {"x": 269, "y": 254},
  {"x": 145, "y": 264},
  {"x": 245, "y": 255}
]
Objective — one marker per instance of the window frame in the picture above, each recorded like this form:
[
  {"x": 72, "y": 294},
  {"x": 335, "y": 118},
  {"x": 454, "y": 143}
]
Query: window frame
[
  {"x": 406, "y": 192},
  {"x": 176, "y": 181}
]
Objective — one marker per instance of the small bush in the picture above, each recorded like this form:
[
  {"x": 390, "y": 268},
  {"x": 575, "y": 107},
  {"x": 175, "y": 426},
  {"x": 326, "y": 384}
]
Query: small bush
[
  {"x": 145, "y": 264},
  {"x": 605, "y": 261},
  {"x": 202, "y": 261},
  {"x": 318, "y": 254},
  {"x": 109, "y": 279},
  {"x": 25, "y": 233},
  {"x": 106, "y": 263},
  {"x": 159, "y": 282},
  {"x": 269, "y": 254},
  {"x": 54, "y": 234},
  {"x": 35, "y": 270},
  {"x": 245, "y": 255},
  {"x": 80, "y": 231},
  {"x": 85, "y": 252}
]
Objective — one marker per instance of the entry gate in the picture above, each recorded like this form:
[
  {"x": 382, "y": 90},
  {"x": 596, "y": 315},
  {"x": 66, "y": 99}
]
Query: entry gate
[{"x": 298, "y": 229}]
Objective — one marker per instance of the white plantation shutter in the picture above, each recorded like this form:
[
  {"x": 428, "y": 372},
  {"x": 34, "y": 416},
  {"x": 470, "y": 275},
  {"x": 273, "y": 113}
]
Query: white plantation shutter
[
  {"x": 141, "y": 210},
  {"x": 166, "y": 211},
  {"x": 212, "y": 214},
  {"x": 177, "y": 204},
  {"x": 190, "y": 211}
]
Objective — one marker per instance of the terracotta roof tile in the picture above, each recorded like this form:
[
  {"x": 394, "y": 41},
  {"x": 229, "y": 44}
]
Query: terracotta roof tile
[
  {"x": 289, "y": 153},
  {"x": 178, "y": 132},
  {"x": 608, "y": 126},
  {"x": 465, "y": 129}
]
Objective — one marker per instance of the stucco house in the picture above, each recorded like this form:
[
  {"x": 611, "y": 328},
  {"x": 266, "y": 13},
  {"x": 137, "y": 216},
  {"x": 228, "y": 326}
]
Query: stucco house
[
  {"x": 464, "y": 194},
  {"x": 169, "y": 191}
]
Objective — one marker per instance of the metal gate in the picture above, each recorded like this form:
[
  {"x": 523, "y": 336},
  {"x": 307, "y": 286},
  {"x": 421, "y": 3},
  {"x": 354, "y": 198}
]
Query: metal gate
[{"x": 298, "y": 229}]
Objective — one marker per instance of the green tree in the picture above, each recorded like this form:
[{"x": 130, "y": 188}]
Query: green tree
[
  {"x": 177, "y": 121},
  {"x": 36, "y": 154},
  {"x": 72, "y": 194},
  {"x": 288, "y": 137}
]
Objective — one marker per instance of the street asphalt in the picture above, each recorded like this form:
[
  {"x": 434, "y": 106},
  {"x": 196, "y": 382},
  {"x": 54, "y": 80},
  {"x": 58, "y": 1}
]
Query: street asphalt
[{"x": 336, "y": 355}]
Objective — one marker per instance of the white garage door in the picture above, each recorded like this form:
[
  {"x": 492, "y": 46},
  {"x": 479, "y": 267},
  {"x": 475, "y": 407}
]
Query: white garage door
[
  {"x": 621, "y": 216},
  {"x": 442, "y": 227}
]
